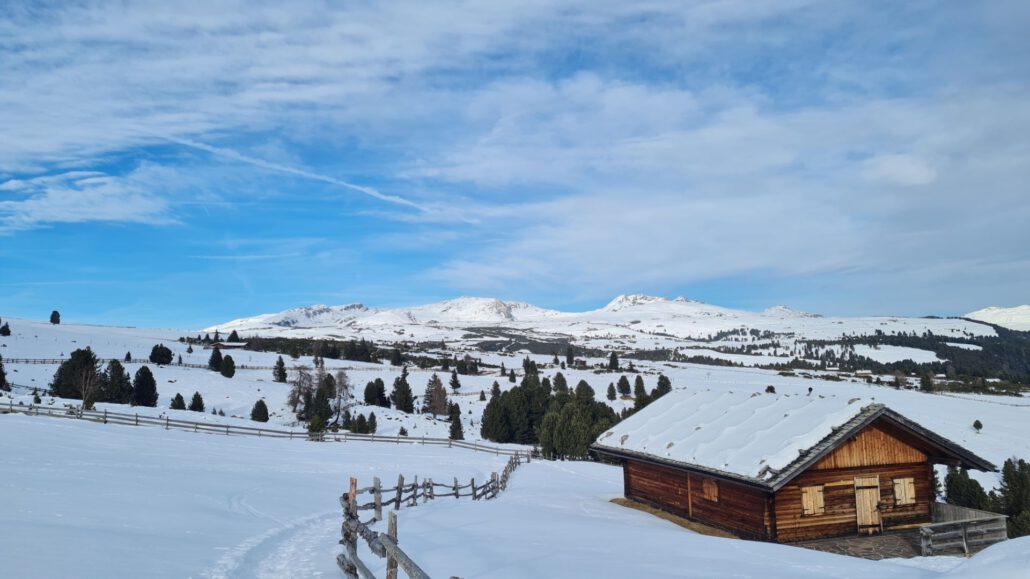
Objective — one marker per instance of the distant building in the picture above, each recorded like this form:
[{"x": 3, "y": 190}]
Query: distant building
[
  {"x": 780, "y": 467},
  {"x": 226, "y": 345}
]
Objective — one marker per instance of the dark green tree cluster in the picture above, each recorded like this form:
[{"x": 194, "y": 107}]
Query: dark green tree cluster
[
  {"x": 161, "y": 355},
  {"x": 401, "y": 396},
  {"x": 514, "y": 416},
  {"x": 434, "y": 401},
  {"x": 573, "y": 422},
  {"x": 319, "y": 411},
  {"x": 455, "y": 383},
  {"x": 80, "y": 377},
  {"x": 362, "y": 425},
  {"x": 55, "y": 317},
  {"x": 5, "y": 330},
  {"x": 214, "y": 363},
  {"x": 233, "y": 337},
  {"x": 457, "y": 432},
  {"x": 375, "y": 393},
  {"x": 1013, "y": 498},
  {"x": 260, "y": 412}
]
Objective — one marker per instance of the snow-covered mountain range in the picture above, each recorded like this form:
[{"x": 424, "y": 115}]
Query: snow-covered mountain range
[
  {"x": 628, "y": 321},
  {"x": 1016, "y": 318}
]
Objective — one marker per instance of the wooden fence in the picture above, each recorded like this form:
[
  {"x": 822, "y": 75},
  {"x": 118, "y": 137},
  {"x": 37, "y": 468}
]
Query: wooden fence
[
  {"x": 108, "y": 417},
  {"x": 58, "y": 361},
  {"x": 385, "y": 545},
  {"x": 960, "y": 528}
]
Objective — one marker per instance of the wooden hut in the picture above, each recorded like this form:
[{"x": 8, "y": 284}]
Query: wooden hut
[{"x": 779, "y": 467}]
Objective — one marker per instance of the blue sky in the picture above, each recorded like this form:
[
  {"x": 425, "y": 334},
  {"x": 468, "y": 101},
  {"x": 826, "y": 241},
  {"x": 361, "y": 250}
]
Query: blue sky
[{"x": 182, "y": 164}]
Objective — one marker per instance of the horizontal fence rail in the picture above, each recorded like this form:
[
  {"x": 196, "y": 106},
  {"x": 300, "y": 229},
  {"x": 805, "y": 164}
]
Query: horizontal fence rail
[
  {"x": 385, "y": 545},
  {"x": 960, "y": 529},
  {"x": 167, "y": 422}
]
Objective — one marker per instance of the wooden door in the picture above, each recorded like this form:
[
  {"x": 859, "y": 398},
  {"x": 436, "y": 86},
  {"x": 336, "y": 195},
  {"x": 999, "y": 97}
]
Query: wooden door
[{"x": 867, "y": 500}]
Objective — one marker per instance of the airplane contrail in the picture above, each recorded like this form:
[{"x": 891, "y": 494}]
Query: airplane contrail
[{"x": 237, "y": 156}]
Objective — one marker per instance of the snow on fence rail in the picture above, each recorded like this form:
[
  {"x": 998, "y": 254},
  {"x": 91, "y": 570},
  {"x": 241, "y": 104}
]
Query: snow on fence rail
[
  {"x": 108, "y": 417},
  {"x": 960, "y": 528},
  {"x": 385, "y": 545}
]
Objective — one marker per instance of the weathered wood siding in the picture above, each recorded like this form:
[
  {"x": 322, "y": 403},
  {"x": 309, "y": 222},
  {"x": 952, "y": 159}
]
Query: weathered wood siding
[
  {"x": 840, "y": 517},
  {"x": 738, "y": 508},
  {"x": 872, "y": 446}
]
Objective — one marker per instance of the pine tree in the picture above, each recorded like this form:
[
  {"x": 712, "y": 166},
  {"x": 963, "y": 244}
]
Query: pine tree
[
  {"x": 455, "y": 383},
  {"x": 977, "y": 425},
  {"x": 5, "y": 330},
  {"x": 665, "y": 386},
  {"x": 624, "y": 387},
  {"x": 482, "y": 395},
  {"x": 214, "y": 363},
  {"x": 117, "y": 384},
  {"x": 511, "y": 376},
  {"x": 360, "y": 425},
  {"x": 926, "y": 382},
  {"x": 78, "y": 377},
  {"x": 457, "y": 432},
  {"x": 495, "y": 390},
  {"x": 228, "y": 367},
  {"x": 370, "y": 393},
  {"x": 3, "y": 377},
  {"x": 401, "y": 396},
  {"x": 260, "y": 412},
  {"x": 178, "y": 402},
  {"x": 144, "y": 388},
  {"x": 403, "y": 432},
  {"x": 128, "y": 356},
  {"x": 279, "y": 371},
  {"x": 611, "y": 391},
  {"x": 570, "y": 356},
  {"x": 317, "y": 424},
  {"x": 55, "y": 317},
  {"x": 196, "y": 403},
  {"x": 560, "y": 384},
  {"x": 613, "y": 362},
  {"x": 372, "y": 427},
  {"x": 504, "y": 371},
  {"x": 189, "y": 348},
  {"x": 395, "y": 357},
  {"x": 160, "y": 355},
  {"x": 233, "y": 337}
]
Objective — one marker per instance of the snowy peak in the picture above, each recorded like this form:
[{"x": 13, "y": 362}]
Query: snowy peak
[
  {"x": 782, "y": 311},
  {"x": 1015, "y": 318},
  {"x": 632, "y": 300}
]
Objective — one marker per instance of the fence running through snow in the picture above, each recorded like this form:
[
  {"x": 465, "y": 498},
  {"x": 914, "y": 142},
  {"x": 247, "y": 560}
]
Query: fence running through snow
[
  {"x": 961, "y": 528},
  {"x": 108, "y": 417},
  {"x": 385, "y": 545}
]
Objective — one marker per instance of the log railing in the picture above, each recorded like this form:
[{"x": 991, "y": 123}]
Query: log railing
[
  {"x": 168, "y": 423},
  {"x": 960, "y": 528},
  {"x": 385, "y": 545}
]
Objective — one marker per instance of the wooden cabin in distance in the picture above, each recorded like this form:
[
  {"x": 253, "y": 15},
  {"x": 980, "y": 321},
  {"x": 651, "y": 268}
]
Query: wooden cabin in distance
[{"x": 782, "y": 468}]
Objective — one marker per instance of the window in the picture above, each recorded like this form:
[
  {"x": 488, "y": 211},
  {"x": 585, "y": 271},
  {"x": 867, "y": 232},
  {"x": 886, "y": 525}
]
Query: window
[
  {"x": 904, "y": 491},
  {"x": 710, "y": 490},
  {"x": 812, "y": 501}
]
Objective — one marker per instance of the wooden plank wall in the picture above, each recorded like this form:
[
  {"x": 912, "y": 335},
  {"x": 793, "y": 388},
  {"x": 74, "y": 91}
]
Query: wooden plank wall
[
  {"x": 839, "y": 518},
  {"x": 873, "y": 446},
  {"x": 739, "y": 509}
]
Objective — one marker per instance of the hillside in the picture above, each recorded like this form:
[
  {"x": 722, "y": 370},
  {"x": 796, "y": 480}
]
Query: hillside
[{"x": 1015, "y": 318}]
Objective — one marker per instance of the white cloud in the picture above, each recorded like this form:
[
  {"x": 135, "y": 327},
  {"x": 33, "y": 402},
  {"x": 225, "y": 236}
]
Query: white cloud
[{"x": 899, "y": 170}]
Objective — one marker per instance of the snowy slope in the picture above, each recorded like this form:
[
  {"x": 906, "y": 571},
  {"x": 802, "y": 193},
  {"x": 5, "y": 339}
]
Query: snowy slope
[
  {"x": 1015, "y": 318},
  {"x": 133, "y": 502}
]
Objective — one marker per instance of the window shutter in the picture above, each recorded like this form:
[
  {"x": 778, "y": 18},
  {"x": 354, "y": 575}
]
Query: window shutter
[
  {"x": 904, "y": 491},
  {"x": 812, "y": 501}
]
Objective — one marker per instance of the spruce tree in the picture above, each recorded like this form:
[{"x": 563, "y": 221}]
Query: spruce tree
[
  {"x": 214, "y": 363},
  {"x": 3, "y": 377},
  {"x": 161, "y": 355},
  {"x": 434, "y": 401},
  {"x": 144, "y": 388},
  {"x": 395, "y": 357},
  {"x": 611, "y": 391},
  {"x": 370, "y": 393},
  {"x": 260, "y": 412},
  {"x": 560, "y": 384},
  {"x": 482, "y": 395},
  {"x": 665, "y": 386},
  {"x": 128, "y": 356},
  {"x": 495, "y": 390},
  {"x": 455, "y": 383},
  {"x": 178, "y": 402},
  {"x": 360, "y": 425},
  {"x": 401, "y": 396},
  {"x": 233, "y": 337},
  {"x": 228, "y": 367},
  {"x": 624, "y": 387},
  {"x": 5, "y": 330},
  {"x": 279, "y": 372},
  {"x": 117, "y": 384},
  {"x": 55, "y": 317},
  {"x": 511, "y": 376},
  {"x": 403, "y": 432},
  {"x": 613, "y": 362},
  {"x": 457, "y": 432},
  {"x": 372, "y": 426},
  {"x": 196, "y": 403},
  {"x": 570, "y": 356},
  {"x": 78, "y": 377}
]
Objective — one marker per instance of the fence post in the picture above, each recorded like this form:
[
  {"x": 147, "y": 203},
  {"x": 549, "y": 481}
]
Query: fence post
[
  {"x": 227, "y": 430},
  {"x": 473, "y": 489},
  {"x": 166, "y": 423},
  {"x": 432, "y": 490},
  {"x": 377, "y": 491},
  {"x": 350, "y": 533},
  {"x": 137, "y": 419},
  {"x": 391, "y": 531},
  {"x": 493, "y": 478},
  {"x": 105, "y": 416},
  {"x": 414, "y": 492},
  {"x": 455, "y": 487},
  {"x": 400, "y": 490}
]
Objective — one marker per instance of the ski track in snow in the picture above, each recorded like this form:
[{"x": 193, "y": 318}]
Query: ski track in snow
[{"x": 285, "y": 551}]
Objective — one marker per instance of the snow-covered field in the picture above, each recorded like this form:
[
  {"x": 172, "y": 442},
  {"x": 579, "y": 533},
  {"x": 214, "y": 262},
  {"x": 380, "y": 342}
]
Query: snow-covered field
[{"x": 124, "y": 501}]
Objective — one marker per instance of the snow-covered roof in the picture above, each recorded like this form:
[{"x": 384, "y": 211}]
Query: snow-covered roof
[{"x": 754, "y": 436}]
